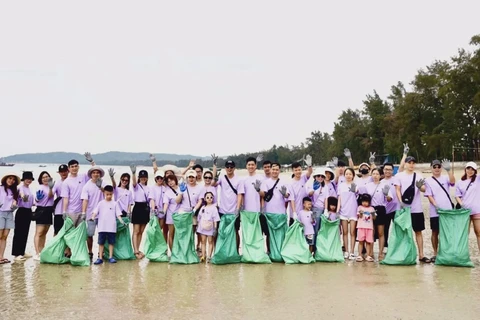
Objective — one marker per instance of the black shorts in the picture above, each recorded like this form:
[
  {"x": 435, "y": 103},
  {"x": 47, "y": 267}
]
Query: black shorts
[
  {"x": 44, "y": 215},
  {"x": 418, "y": 221},
  {"x": 264, "y": 225},
  {"x": 434, "y": 224},
  {"x": 140, "y": 214},
  {"x": 57, "y": 223},
  {"x": 237, "y": 221},
  {"x": 106, "y": 236},
  {"x": 381, "y": 218},
  {"x": 290, "y": 221}
]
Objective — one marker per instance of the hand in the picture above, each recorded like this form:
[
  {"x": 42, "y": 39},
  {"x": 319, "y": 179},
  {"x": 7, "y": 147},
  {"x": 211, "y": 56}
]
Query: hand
[
  {"x": 372, "y": 157},
  {"x": 83, "y": 216},
  {"x": 129, "y": 216},
  {"x": 214, "y": 232},
  {"x": 64, "y": 216},
  {"x": 283, "y": 191},
  {"x": 237, "y": 212},
  {"x": 183, "y": 187},
  {"x": 406, "y": 149},
  {"x": 14, "y": 207},
  {"x": 152, "y": 158},
  {"x": 88, "y": 157},
  {"x": 335, "y": 161},
  {"x": 347, "y": 153},
  {"x": 257, "y": 184},
  {"x": 111, "y": 172},
  {"x": 403, "y": 205},
  {"x": 385, "y": 190},
  {"x": 353, "y": 188},
  {"x": 259, "y": 158},
  {"x": 191, "y": 164},
  {"x": 51, "y": 183},
  {"x": 420, "y": 183},
  {"x": 316, "y": 185},
  {"x": 217, "y": 176},
  {"x": 446, "y": 164},
  {"x": 99, "y": 182},
  {"x": 436, "y": 207},
  {"x": 25, "y": 198},
  {"x": 40, "y": 195},
  {"x": 361, "y": 211},
  {"x": 152, "y": 213},
  {"x": 308, "y": 160},
  {"x": 214, "y": 159},
  {"x": 133, "y": 168}
]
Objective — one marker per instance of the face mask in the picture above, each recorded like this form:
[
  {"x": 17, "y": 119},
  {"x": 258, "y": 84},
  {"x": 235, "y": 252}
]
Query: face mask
[{"x": 364, "y": 171}]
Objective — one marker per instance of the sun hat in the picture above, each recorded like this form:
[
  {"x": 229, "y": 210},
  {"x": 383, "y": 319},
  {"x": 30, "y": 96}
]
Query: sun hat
[
  {"x": 159, "y": 174},
  {"x": 331, "y": 172},
  {"x": 469, "y": 164},
  {"x": 10, "y": 174},
  {"x": 319, "y": 172},
  {"x": 27, "y": 175},
  {"x": 95, "y": 168}
]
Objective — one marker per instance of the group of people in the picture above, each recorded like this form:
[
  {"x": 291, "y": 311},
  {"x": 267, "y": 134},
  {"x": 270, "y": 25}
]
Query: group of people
[{"x": 365, "y": 203}]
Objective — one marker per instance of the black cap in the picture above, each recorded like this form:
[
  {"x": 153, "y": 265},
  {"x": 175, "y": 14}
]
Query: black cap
[
  {"x": 142, "y": 174},
  {"x": 341, "y": 164},
  {"x": 409, "y": 159},
  {"x": 63, "y": 168},
  {"x": 230, "y": 163},
  {"x": 27, "y": 175},
  {"x": 436, "y": 162}
]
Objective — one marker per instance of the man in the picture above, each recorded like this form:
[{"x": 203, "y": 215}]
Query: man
[
  {"x": 278, "y": 191},
  {"x": 298, "y": 185},
  {"x": 437, "y": 192},
  {"x": 58, "y": 203},
  {"x": 267, "y": 167},
  {"x": 403, "y": 181},
  {"x": 92, "y": 194},
  {"x": 199, "y": 173}
]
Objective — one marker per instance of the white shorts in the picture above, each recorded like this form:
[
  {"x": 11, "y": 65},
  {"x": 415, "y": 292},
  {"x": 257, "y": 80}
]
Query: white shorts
[{"x": 348, "y": 218}]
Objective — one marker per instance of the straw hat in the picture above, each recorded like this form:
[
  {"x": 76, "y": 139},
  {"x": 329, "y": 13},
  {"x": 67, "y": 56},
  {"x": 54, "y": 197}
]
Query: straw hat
[
  {"x": 95, "y": 168},
  {"x": 11, "y": 174}
]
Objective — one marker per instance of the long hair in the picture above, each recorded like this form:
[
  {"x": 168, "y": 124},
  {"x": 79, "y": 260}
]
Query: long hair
[
  {"x": 124, "y": 175},
  {"x": 13, "y": 188},
  {"x": 464, "y": 177}
]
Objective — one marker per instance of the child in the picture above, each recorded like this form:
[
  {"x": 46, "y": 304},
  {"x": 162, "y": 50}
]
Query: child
[
  {"x": 208, "y": 218},
  {"x": 307, "y": 219},
  {"x": 106, "y": 211},
  {"x": 331, "y": 210},
  {"x": 366, "y": 215}
]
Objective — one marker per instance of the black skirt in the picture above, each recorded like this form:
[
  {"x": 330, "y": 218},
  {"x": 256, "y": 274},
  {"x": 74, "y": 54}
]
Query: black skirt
[
  {"x": 140, "y": 213},
  {"x": 44, "y": 215},
  {"x": 381, "y": 219}
]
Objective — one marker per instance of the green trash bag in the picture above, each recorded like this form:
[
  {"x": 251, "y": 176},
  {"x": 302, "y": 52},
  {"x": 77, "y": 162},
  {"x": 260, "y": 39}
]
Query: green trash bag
[
  {"x": 155, "y": 246},
  {"x": 123, "y": 249},
  {"x": 76, "y": 240},
  {"x": 277, "y": 227},
  {"x": 253, "y": 247},
  {"x": 54, "y": 250},
  {"x": 453, "y": 238},
  {"x": 401, "y": 247},
  {"x": 295, "y": 248},
  {"x": 183, "y": 248},
  {"x": 329, "y": 247},
  {"x": 226, "y": 246}
]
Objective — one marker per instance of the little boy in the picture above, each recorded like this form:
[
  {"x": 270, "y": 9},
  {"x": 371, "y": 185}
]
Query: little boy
[
  {"x": 306, "y": 218},
  {"x": 107, "y": 211}
]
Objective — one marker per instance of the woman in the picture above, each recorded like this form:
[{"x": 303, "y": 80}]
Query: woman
[
  {"x": 330, "y": 182},
  {"x": 208, "y": 185},
  {"x": 347, "y": 209},
  {"x": 158, "y": 193},
  {"x": 468, "y": 193},
  {"x": 171, "y": 204},
  {"x": 44, "y": 212},
  {"x": 192, "y": 199},
  {"x": 23, "y": 217},
  {"x": 381, "y": 194},
  {"x": 122, "y": 193},
  {"x": 319, "y": 193},
  {"x": 8, "y": 201},
  {"x": 142, "y": 210}
]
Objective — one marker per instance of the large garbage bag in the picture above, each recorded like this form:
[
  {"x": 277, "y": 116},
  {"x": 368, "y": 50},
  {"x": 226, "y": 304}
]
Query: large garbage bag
[
  {"x": 277, "y": 227},
  {"x": 253, "y": 245},
  {"x": 123, "y": 249},
  {"x": 54, "y": 250},
  {"x": 328, "y": 245},
  {"x": 155, "y": 246},
  {"x": 226, "y": 246},
  {"x": 295, "y": 248},
  {"x": 76, "y": 240},
  {"x": 401, "y": 247},
  {"x": 183, "y": 248},
  {"x": 453, "y": 238}
]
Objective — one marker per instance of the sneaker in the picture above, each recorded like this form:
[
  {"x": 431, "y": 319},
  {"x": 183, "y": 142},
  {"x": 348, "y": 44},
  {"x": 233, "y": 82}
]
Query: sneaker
[
  {"x": 111, "y": 260},
  {"x": 27, "y": 255},
  {"x": 351, "y": 256},
  {"x": 36, "y": 257},
  {"x": 345, "y": 255},
  {"x": 19, "y": 258},
  {"x": 99, "y": 261}
]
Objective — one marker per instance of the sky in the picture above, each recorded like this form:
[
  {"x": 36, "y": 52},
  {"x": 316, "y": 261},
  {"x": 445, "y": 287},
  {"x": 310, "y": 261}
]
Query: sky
[{"x": 202, "y": 77}]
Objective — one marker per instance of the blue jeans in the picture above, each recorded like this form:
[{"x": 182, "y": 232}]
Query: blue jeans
[{"x": 317, "y": 212}]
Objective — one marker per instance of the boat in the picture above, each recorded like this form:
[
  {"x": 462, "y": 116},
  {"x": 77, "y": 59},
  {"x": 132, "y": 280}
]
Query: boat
[
  {"x": 42, "y": 166},
  {"x": 4, "y": 164}
]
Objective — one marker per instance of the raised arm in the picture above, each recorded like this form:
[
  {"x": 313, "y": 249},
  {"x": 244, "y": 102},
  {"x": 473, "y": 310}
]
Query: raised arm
[
  {"x": 190, "y": 166},
  {"x": 308, "y": 162},
  {"x": 348, "y": 154},
  {"x": 111, "y": 173},
  {"x": 88, "y": 157},
  {"x": 154, "y": 163},
  {"x": 406, "y": 149},
  {"x": 133, "y": 168}
]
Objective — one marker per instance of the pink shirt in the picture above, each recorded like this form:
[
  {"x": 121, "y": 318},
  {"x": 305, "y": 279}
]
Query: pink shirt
[
  {"x": 142, "y": 193},
  {"x": 57, "y": 191},
  {"x": 366, "y": 222},
  {"x": 169, "y": 199},
  {"x": 348, "y": 201},
  {"x": 470, "y": 198},
  {"x": 228, "y": 198},
  {"x": 404, "y": 180},
  {"x": 393, "y": 205},
  {"x": 434, "y": 190},
  {"x": 277, "y": 203},
  {"x": 72, "y": 189},
  {"x": 107, "y": 213},
  {"x": 251, "y": 200},
  {"x": 22, "y": 190},
  {"x": 319, "y": 196},
  {"x": 123, "y": 197},
  {"x": 6, "y": 197},
  {"x": 188, "y": 203},
  {"x": 93, "y": 194},
  {"x": 46, "y": 201},
  {"x": 299, "y": 191},
  {"x": 306, "y": 219}
]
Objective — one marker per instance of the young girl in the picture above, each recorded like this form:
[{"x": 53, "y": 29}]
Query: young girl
[
  {"x": 366, "y": 215},
  {"x": 44, "y": 212},
  {"x": 332, "y": 214},
  {"x": 8, "y": 199},
  {"x": 347, "y": 209},
  {"x": 208, "y": 219}
]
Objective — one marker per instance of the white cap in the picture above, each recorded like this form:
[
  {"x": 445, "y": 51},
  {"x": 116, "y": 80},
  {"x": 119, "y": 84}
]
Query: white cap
[
  {"x": 191, "y": 173},
  {"x": 319, "y": 172},
  {"x": 364, "y": 164},
  {"x": 471, "y": 164},
  {"x": 159, "y": 173}
]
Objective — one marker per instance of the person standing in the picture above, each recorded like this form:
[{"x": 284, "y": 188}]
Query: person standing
[
  {"x": 44, "y": 211},
  {"x": 298, "y": 185},
  {"x": 58, "y": 218},
  {"x": 23, "y": 217},
  {"x": 8, "y": 204}
]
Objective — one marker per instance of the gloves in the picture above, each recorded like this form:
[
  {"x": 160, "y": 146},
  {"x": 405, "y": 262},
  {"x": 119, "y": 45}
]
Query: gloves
[
  {"x": 64, "y": 215},
  {"x": 335, "y": 161},
  {"x": 420, "y": 183},
  {"x": 316, "y": 185},
  {"x": 283, "y": 191},
  {"x": 446, "y": 164},
  {"x": 40, "y": 195},
  {"x": 82, "y": 217},
  {"x": 214, "y": 159},
  {"x": 259, "y": 158},
  {"x": 51, "y": 183},
  {"x": 437, "y": 208},
  {"x": 237, "y": 212},
  {"x": 133, "y": 168},
  {"x": 183, "y": 187},
  {"x": 308, "y": 160},
  {"x": 14, "y": 207},
  {"x": 99, "y": 182},
  {"x": 111, "y": 172},
  {"x": 25, "y": 198},
  {"x": 217, "y": 175},
  {"x": 385, "y": 190},
  {"x": 129, "y": 216},
  {"x": 406, "y": 149},
  {"x": 214, "y": 232},
  {"x": 372, "y": 157},
  {"x": 257, "y": 185},
  {"x": 347, "y": 153},
  {"x": 152, "y": 158},
  {"x": 88, "y": 157},
  {"x": 353, "y": 188},
  {"x": 152, "y": 213}
]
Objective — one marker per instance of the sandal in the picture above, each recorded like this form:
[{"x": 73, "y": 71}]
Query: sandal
[
  {"x": 142, "y": 254},
  {"x": 137, "y": 254},
  {"x": 369, "y": 259},
  {"x": 432, "y": 259},
  {"x": 4, "y": 261},
  {"x": 359, "y": 259},
  {"x": 425, "y": 260}
]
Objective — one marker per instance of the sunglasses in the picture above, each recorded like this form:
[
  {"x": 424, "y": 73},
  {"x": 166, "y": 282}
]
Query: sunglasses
[
  {"x": 229, "y": 167},
  {"x": 125, "y": 180},
  {"x": 437, "y": 166},
  {"x": 208, "y": 178},
  {"x": 208, "y": 198},
  {"x": 191, "y": 177}
]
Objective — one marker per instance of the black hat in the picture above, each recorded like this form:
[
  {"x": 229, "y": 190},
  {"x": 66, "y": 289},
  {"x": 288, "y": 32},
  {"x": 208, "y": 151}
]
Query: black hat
[
  {"x": 340, "y": 163},
  {"x": 436, "y": 162},
  {"x": 143, "y": 174},
  {"x": 63, "y": 168},
  {"x": 27, "y": 175},
  {"x": 409, "y": 159},
  {"x": 230, "y": 163}
]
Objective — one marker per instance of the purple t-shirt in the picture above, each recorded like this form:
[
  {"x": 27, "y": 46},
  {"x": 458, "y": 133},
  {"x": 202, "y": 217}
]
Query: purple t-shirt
[
  {"x": 305, "y": 218},
  {"x": 404, "y": 180},
  {"x": 277, "y": 203},
  {"x": 363, "y": 181},
  {"x": 46, "y": 201},
  {"x": 57, "y": 191},
  {"x": 348, "y": 201},
  {"x": 22, "y": 190},
  {"x": 6, "y": 198},
  {"x": 207, "y": 217},
  {"x": 191, "y": 197},
  {"x": 123, "y": 197},
  {"x": 72, "y": 189},
  {"x": 470, "y": 197},
  {"x": 299, "y": 191},
  {"x": 434, "y": 190},
  {"x": 228, "y": 198},
  {"x": 158, "y": 193},
  {"x": 107, "y": 213},
  {"x": 93, "y": 195},
  {"x": 142, "y": 193},
  {"x": 172, "y": 206},
  {"x": 332, "y": 216},
  {"x": 375, "y": 190},
  {"x": 393, "y": 205},
  {"x": 319, "y": 196},
  {"x": 251, "y": 200},
  {"x": 332, "y": 189}
]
